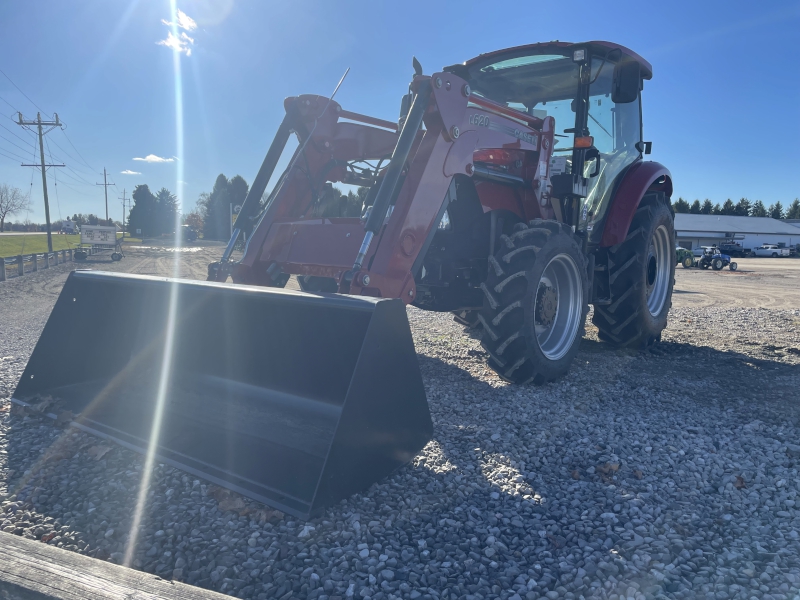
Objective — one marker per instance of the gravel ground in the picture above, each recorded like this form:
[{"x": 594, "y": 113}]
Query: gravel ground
[{"x": 672, "y": 473}]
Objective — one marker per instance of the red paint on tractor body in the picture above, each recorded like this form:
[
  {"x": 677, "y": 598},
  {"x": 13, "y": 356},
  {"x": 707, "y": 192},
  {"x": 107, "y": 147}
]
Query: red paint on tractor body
[
  {"x": 295, "y": 242},
  {"x": 641, "y": 177}
]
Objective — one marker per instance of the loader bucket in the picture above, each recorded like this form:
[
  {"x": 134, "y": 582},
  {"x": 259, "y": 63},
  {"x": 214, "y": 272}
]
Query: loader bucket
[{"x": 293, "y": 399}]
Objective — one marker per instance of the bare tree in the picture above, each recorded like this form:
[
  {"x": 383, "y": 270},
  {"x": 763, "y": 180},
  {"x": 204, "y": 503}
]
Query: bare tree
[{"x": 12, "y": 201}]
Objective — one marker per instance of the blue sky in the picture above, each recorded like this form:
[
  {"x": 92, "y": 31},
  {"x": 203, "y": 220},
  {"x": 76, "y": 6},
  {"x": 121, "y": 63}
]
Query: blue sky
[{"x": 721, "y": 110}]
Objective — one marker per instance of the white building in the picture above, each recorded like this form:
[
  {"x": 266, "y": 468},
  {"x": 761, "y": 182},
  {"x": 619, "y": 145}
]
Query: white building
[{"x": 693, "y": 231}]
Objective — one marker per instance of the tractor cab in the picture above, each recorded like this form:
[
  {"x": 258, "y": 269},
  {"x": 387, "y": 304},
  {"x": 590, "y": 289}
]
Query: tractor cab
[{"x": 593, "y": 92}]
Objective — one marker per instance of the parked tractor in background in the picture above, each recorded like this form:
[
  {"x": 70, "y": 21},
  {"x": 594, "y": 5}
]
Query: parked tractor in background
[
  {"x": 714, "y": 259},
  {"x": 511, "y": 191},
  {"x": 684, "y": 257}
]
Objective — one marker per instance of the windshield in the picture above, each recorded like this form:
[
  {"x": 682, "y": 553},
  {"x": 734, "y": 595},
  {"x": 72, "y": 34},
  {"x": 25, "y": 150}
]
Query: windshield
[{"x": 538, "y": 84}]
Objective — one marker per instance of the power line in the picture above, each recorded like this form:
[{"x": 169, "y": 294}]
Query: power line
[
  {"x": 14, "y": 133},
  {"x": 62, "y": 129},
  {"x": 13, "y": 153},
  {"x": 76, "y": 150},
  {"x": 26, "y": 95},
  {"x": 77, "y": 162},
  {"x": 12, "y": 143},
  {"x": 76, "y": 181},
  {"x": 9, "y": 103},
  {"x": 10, "y": 157}
]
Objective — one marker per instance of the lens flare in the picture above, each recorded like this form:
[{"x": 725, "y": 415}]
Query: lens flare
[{"x": 166, "y": 361}]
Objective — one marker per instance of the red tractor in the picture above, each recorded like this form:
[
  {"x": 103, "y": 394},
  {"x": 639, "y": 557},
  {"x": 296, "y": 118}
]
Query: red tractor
[
  {"x": 511, "y": 192},
  {"x": 515, "y": 195}
]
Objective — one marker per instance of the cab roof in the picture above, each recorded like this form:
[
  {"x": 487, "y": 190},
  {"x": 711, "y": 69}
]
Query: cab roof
[{"x": 599, "y": 47}]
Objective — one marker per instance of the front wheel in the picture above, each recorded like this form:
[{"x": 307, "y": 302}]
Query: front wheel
[
  {"x": 733, "y": 266},
  {"x": 688, "y": 263},
  {"x": 717, "y": 264},
  {"x": 641, "y": 275},
  {"x": 535, "y": 304}
]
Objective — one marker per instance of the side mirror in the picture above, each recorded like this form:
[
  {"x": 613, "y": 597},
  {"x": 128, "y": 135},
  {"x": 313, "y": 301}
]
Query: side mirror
[{"x": 627, "y": 81}]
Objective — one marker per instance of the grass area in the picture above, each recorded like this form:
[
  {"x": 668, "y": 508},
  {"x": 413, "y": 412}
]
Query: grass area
[
  {"x": 22, "y": 243},
  {"x": 11, "y": 245}
]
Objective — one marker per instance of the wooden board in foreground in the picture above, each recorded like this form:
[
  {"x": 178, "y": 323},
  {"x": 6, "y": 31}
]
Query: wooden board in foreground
[{"x": 31, "y": 570}]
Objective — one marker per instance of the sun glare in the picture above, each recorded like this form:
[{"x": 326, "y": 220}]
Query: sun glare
[{"x": 166, "y": 362}]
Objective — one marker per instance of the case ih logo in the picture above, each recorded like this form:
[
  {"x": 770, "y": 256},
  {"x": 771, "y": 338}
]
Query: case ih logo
[
  {"x": 525, "y": 137},
  {"x": 479, "y": 120}
]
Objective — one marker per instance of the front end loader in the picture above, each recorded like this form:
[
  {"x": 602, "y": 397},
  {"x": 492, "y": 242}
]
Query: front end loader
[{"x": 512, "y": 191}]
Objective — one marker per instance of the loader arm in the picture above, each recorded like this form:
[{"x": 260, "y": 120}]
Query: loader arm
[{"x": 378, "y": 256}]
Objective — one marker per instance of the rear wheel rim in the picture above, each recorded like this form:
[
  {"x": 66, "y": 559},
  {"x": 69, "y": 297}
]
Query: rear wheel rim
[
  {"x": 557, "y": 306},
  {"x": 657, "y": 270}
]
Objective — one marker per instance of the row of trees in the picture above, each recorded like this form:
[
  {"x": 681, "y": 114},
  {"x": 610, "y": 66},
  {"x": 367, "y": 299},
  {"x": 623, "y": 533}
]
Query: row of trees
[
  {"x": 153, "y": 214},
  {"x": 90, "y": 219},
  {"x": 743, "y": 208}
]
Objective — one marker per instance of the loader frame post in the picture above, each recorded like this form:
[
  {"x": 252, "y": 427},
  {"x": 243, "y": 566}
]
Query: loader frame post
[
  {"x": 253, "y": 200},
  {"x": 394, "y": 170}
]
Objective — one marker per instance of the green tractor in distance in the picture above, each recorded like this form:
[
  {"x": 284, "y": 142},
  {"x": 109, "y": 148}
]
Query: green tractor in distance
[{"x": 684, "y": 257}]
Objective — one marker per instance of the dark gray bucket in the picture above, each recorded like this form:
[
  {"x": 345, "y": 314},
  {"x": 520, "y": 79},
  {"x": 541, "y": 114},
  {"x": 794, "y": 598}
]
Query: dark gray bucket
[{"x": 293, "y": 399}]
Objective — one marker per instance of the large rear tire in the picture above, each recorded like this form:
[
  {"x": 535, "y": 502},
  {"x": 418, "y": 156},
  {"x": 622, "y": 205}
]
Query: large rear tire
[
  {"x": 641, "y": 276},
  {"x": 535, "y": 305}
]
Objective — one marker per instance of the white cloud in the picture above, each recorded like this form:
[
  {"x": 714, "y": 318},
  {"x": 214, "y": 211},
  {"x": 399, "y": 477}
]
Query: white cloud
[
  {"x": 152, "y": 158},
  {"x": 182, "y": 42},
  {"x": 129, "y": 172},
  {"x": 183, "y": 21},
  {"x": 178, "y": 44}
]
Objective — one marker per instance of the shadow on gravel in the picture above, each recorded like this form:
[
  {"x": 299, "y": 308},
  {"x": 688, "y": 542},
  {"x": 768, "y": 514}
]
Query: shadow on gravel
[{"x": 531, "y": 489}]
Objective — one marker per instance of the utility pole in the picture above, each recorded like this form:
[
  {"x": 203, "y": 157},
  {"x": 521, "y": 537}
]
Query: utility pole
[
  {"x": 39, "y": 124},
  {"x": 123, "y": 213},
  {"x": 105, "y": 185}
]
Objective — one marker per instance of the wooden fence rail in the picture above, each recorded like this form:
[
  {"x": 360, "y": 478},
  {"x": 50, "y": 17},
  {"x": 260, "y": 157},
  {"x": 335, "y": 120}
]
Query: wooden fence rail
[{"x": 32, "y": 570}]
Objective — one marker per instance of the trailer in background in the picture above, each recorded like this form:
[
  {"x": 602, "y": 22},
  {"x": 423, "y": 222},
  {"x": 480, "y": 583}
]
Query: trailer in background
[{"x": 99, "y": 237}]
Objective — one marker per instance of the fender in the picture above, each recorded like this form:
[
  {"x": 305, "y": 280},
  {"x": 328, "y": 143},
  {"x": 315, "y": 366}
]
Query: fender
[{"x": 640, "y": 178}]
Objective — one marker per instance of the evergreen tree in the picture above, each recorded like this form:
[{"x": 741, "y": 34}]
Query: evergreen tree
[
  {"x": 743, "y": 208},
  {"x": 717, "y": 210},
  {"x": 681, "y": 206},
  {"x": 728, "y": 208},
  {"x": 237, "y": 190},
  {"x": 143, "y": 212},
  {"x": 165, "y": 212},
  {"x": 216, "y": 221},
  {"x": 758, "y": 209},
  {"x": 695, "y": 209},
  {"x": 776, "y": 210},
  {"x": 707, "y": 207},
  {"x": 793, "y": 212}
]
